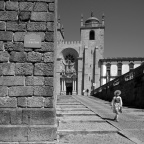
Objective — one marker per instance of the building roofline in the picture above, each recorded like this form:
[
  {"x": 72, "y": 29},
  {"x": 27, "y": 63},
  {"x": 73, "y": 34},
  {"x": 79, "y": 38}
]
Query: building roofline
[{"x": 122, "y": 59}]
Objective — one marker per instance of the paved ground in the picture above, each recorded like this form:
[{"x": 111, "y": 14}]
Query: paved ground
[
  {"x": 80, "y": 122},
  {"x": 131, "y": 121}
]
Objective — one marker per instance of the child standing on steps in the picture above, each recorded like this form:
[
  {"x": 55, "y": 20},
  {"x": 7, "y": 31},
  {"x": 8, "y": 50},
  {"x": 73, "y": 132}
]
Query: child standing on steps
[{"x": 117, "y": 104}]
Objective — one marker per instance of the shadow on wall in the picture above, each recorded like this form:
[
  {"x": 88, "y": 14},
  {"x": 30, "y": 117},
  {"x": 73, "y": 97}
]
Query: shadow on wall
[{"x": 131, "y": 85}]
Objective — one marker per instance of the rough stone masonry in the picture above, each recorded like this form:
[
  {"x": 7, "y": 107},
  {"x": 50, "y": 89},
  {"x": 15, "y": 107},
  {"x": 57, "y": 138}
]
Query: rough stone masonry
[{"x": 27, "y": 111}]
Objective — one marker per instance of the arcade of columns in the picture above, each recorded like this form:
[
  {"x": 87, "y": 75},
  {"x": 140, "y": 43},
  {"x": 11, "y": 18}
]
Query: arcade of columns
[{"x": 63, "y": 86}]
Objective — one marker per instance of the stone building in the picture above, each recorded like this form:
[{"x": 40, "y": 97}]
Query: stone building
[
  {"x": 78, "y": 62},
  {"x": 81, "y": 65}
]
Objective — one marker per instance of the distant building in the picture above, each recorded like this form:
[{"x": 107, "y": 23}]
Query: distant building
[{"x": 81, "y": 65}]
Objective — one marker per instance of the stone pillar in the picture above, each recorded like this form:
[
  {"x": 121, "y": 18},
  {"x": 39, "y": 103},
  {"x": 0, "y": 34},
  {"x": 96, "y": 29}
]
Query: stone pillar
[
  {"x": 97, "y": 69},
  {"x": 86, "y": 70},
  {"x": 27, "y": 100},
  {"x": 58, "y": 83},
  {"x": 62, "y": 85},
  {"x": 79, "y": 79},
  {"x": 73, "y": 86}
]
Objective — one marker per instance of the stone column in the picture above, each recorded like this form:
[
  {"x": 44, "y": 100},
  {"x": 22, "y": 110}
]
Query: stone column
[
  {"x": 86, "y": 69},
  {"x": 73, "y": 86},
  {"x": 79, "y": 79},
  {"x": 97, "y": 69},
  {"x": 62, "y": 85}
]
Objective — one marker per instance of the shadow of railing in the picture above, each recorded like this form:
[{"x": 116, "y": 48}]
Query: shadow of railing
[{"x": 131, "y": 85}]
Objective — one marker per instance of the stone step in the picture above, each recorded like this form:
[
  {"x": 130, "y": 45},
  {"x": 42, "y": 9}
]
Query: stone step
[
  {"x": 64, "y": 112},
  {"x": 87, "y": 138},
  {"x": 89, "y": 118},
  {"x": 70, "y": 106},
  {"x": 73, "y": 109},
  {"x": 96, "y": 127},
  {"x": 69, "y": 103}
]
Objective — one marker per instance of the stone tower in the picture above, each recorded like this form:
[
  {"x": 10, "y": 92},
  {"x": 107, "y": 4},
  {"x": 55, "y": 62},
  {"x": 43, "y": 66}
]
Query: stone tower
[{"x": 92, "y": 38}]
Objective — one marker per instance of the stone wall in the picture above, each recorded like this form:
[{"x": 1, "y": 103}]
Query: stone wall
[
  {"x": 27, "y": 110},
  {"x": 131, "y": 85}
]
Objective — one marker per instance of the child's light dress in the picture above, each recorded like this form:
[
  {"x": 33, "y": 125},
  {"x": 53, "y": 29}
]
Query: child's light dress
[{"x": 116, "y": 104}]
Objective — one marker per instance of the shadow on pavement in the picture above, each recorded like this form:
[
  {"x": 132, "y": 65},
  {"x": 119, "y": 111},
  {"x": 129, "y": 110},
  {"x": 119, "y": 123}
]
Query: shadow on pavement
[{"x": 110, "y": 119}]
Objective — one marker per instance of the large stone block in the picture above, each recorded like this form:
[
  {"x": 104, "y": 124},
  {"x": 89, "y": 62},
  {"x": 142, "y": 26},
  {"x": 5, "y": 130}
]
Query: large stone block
[
  {"x": 1, "y": 45},
  {"x": 43, "y": 91},
  {"x": 40, "y": 7},
  {"x": 2, "y": 25},
  {"x": 4, "y": 117},
  {"x": 46, "y": 46},
  {"x": 34, "y": 57},
  {"x": 6, "y": 36},
  {"x": 49, "y": 36},
  {"x": 32, "y": 80},
  {"x": 37, "y": 116},
  {"x": 24, "y": 16},
  {"x": 48, "y": 81},
  {"x": 18, "y": 57},
  {"x": 19, "y": 36},
  {"x": 26, "y": 6},
  {"x": 13, "y": 134},
  {"x": 14, "y": 46},
  {"x": 3, "y": 91},
  {"x": 16, "y": 116},
  {"x": 21, "y": 91},
  {"x": 7, "y": 69},
  {"x": 51, "y": 7},
  {"x": 42, "y": 16},
  {"x": 49, "y": 57},
  {"x": 8, "y": 15},
  {"x": 4, "y": 56},
  {"x": 43, "y": 69},
  {"x": 50, "y": 26},
  {"x": 24, "y": 69},
  {"x": 14, "y": 26},
  {"x": 48, "y": 102},
  {"x": 35, "y": 102},
  {"x": 22, "y": 102},
  {"x": 36, "y": 26},
  {"x": 9, "y": 5},
  {"x": 42, "y": 133},
  {"x": 11, "y": 81},
  {"x": 1, "y": 5},
  {"x": 7, "y": 102}
]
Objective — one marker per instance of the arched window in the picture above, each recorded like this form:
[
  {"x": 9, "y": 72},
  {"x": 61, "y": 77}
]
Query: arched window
[{"x": 92, "y": 35}]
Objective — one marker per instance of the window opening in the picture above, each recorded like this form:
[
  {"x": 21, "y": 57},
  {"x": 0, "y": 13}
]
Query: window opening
[{"x": 92, "y": 35}]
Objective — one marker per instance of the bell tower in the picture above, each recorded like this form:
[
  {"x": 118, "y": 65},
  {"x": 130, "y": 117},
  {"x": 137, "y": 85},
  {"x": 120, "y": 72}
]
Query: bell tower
[{"x": 92, "y": 38}]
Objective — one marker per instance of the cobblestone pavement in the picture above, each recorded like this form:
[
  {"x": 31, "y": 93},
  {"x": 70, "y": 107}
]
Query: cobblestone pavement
[
  {"x": 131, "y": 121},
  {"x": 77, "y": 124}
]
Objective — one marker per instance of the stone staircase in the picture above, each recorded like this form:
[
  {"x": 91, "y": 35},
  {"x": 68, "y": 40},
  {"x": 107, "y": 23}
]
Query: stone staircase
[{"x": 79, "y": 125}]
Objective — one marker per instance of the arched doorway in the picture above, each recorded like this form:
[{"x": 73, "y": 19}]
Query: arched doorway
[{"x": 68, "y": 74}]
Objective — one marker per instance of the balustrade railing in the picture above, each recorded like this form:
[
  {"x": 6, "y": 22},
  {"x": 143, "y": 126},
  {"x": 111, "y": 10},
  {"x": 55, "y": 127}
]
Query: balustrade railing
[{"x": 139, "y": 71}]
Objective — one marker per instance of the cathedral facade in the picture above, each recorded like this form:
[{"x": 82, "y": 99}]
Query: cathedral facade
[{"x": 81, "y": 65}]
